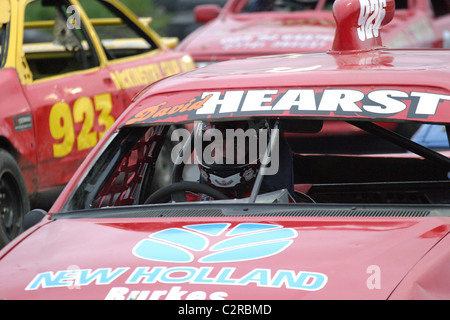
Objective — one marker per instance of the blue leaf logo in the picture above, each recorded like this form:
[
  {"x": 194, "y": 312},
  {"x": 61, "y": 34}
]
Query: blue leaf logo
[{"x": 246, "y": 241}]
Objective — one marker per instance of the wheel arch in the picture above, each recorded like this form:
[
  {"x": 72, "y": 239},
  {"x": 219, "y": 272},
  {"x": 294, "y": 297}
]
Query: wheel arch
[{"x": 6, "y": 145}]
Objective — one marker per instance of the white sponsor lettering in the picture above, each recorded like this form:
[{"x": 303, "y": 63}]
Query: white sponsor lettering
[
  {"x": 340, "y": 101},
  {"x": 386, "y": 102},
  {"x": 174, "y": 293},
  {"x": 370, "y": 18},
  {"x": 258, "y": 100},
  {"x": 301, "y": 99},
  {"x": 277, "y": 41},
  {"x": 229, "y": 102},
  {"x": 428, "y": 102},
  {"x": 345, "y": 99},
  {"x": 289, "y": 279}
]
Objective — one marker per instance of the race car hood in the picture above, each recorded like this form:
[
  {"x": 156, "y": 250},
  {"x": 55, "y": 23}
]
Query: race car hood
[
  {"x": 239, "y": 37},
  {"x": 218, "y": 258}
]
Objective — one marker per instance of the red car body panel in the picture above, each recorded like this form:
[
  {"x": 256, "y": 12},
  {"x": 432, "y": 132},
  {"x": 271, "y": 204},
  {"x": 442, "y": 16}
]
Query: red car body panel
[
  {"x": 276, "y": 33},
  {"x": 43, "y": 97},
  {"x": 344, "y": 69},
  {"x": 316, "y": 264}
]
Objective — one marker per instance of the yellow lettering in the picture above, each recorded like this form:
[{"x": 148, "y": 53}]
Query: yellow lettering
[
  {"x": 61, "y": 127},
  {"x": 103, "y": 103},
  {"x": 83, "y": 112},
  {"x": 170, "y": 67},
  {"x": 139, "y": 76},
  {"x": 62, "y": 124}
]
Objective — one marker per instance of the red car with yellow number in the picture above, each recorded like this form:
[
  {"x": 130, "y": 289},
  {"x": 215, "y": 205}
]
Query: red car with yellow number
[{"x": 66, "y": 75}]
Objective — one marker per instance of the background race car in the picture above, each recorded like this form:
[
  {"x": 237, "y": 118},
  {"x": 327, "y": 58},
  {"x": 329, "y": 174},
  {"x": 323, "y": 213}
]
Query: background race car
[
  {"x": 66, "y": 75},
  {"x": 245, "y": 28},
  {"x": 182, "y": 19}
]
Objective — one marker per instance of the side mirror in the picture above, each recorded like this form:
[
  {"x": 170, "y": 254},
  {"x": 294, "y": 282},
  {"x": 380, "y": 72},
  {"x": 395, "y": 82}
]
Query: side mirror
[
  {"x": 32, "y": 217},
  {"x": 206, "y": 12}
]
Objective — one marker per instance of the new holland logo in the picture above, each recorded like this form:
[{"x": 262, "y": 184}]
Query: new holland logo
[
  {"x": 207, "y": 243},
  {"x": 246, "y": 241}
]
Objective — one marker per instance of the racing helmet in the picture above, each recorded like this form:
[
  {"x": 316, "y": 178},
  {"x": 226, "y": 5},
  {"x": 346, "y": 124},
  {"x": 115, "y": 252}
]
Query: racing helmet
[{"x": 229, "y": 154}]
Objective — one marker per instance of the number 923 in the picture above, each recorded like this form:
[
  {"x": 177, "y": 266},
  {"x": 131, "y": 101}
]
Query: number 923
[
  {"x": 370, "y": 18},
  {"x": 62, "y": 123}
]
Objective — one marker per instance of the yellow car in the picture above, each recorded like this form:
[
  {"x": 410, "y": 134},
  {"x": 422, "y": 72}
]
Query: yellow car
[{"x": 66, "y": 74}]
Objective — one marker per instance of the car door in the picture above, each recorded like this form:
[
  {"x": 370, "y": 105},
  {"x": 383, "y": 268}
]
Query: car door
[
  {"x": 136, "y": 57},
  {"x": 74, "y": 100}
]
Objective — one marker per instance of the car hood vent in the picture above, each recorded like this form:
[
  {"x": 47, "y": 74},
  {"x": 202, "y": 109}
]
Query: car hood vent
[{"x": 208, "y": 210}]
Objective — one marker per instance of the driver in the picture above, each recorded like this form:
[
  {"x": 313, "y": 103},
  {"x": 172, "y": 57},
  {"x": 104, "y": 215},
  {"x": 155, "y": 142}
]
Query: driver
[{"x": 231, "y": 154}]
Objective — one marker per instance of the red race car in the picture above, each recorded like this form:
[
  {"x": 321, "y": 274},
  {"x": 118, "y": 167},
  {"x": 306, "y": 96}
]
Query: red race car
[
  {"x": 249, "y": 216},
  {"x": 245, "y": 28},
  {"x": 67, "y": 71}
]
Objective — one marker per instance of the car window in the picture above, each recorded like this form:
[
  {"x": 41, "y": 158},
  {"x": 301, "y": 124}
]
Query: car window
[
  {"x": 283, "y": 5},
  {"x": 3, "y": 38},
  {"x": 130, "y": 162},
  {"x": 55, "y": 41},
  {"x": 120, "y": 37}
]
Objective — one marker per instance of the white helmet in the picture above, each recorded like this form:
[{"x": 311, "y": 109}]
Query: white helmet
[{"x": 229, "y": 158}]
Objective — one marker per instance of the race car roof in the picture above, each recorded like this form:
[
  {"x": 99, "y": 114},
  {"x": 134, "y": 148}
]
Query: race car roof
[{"x": 357, "y": 79}]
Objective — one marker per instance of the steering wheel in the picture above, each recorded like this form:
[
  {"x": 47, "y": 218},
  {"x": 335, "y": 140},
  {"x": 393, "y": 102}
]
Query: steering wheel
[{"x": 178, "y": 188}]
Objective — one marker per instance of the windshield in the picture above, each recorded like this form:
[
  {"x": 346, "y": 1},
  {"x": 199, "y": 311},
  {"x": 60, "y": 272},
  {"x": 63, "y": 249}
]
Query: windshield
[
  {"x": 284, "y": 5},
  {"x": 304, "y": 165}
]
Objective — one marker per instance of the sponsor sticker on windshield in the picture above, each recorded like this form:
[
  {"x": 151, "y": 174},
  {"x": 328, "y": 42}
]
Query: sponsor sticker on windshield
[{"x": 383, "y": 103}]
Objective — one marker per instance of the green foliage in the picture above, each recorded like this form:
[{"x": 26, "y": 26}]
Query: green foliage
[{"x": 146, "y": 8}]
